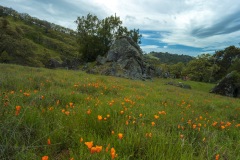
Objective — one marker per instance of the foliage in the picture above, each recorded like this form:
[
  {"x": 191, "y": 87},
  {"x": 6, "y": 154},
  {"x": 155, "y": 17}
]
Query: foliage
[
  {"x": 201, "y": 69},
  {"x": 177, "y": 69},
  {"x": 170, "y": 59},
  {"x": 59, "y": 114},
  {"x": 28, "y": 41},
  {"x": 225, "y": 59},
  {"x": 96, "y": 36}
]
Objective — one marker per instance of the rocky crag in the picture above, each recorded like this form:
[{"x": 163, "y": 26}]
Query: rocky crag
[{"x": 125, "y": 59}]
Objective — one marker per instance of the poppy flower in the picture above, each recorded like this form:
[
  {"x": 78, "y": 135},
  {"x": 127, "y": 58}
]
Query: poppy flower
[
  {"x": 120, "y": 135},
  {"x": 49, "y": 141},
  {"x": 113, "y": 153},
  {"x": 100, "y": 117},
  {"x": 45, "y": 158},
  {"x": 98, "y": 149},
  {"x": 18, "y": 108},
  {"x": 93, "y": 150},
  {"x": 89, "y": 144}
]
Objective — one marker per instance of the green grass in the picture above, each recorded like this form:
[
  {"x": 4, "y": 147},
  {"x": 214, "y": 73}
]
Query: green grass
[{"x": 54, "y": 105}]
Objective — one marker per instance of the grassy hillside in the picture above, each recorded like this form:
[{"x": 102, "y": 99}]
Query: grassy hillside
[
  {"x": 63, "y": 114},
  {"x": 32, "y": 42}
]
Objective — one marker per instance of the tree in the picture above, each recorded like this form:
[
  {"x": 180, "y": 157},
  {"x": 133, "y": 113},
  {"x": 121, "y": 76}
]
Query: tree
[
  {"x": 4, "y": 57},
  {"x": 135, "y": 35},
  {"x": 96, "y": 36},
  {"x": 201, "y": 69},
  {"x": 225, "y": 59},
  {"x": 176, "y": 69}
]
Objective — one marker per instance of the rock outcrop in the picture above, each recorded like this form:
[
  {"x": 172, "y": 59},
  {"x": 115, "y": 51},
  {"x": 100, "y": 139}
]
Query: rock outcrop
[
  {"x": 228, "y": 86},
  {"x": 125, "y": 59}
]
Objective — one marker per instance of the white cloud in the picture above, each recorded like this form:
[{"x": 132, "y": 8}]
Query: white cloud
[{"x": 196, "y": 23}]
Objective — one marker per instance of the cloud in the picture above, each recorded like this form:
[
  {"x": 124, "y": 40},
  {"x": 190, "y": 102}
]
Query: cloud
[
  {"x": 225, "y": 25},
  {"x": 202, "y": 24}
]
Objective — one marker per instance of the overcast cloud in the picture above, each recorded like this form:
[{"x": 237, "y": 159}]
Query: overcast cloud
[{"x": 176, "y": 26}]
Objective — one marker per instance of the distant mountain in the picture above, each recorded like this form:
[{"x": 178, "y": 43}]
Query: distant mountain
[
  {"x": 26, "y": 40},
  {"x": 169, "y": 58}
]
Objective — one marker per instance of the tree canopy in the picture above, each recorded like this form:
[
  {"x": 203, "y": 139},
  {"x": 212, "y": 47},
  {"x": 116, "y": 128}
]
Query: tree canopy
[{"x": 95, "y": 36}]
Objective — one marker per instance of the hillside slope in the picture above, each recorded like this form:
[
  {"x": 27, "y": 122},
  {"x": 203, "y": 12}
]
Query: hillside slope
[
  {"x": 26, "y": 40},
  {"x": 63, "y": 114}
]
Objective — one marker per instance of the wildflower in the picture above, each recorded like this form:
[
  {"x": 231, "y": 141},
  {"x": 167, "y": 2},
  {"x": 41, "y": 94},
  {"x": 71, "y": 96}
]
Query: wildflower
[
  {"x": 126, "y": 122},
  {"x": 89, "y": 111},
  {"x": 181, "y": 136},
  {"x": 45, "y": 158},
  {"x": 98, "y": 149},
  {"x": 71, "y": 104},
  {"x": 49, "y": 141},
  {"x": 149, "y": 135},
  {"x": 89, "y": 144},
  {"x": 204, "y": 139},
  {"x": 217, "y": 157},
  {"x": 112, "y": 132},
  {"x": 121, "y": 112},
  {"x": 156, "y": 116},
  {"x": 26, "y": 94},
  {"x": 222, "y": 127},
  {"x": 58, "y": 101},
  {"x": 113, "y": 153},
  {"x": 81, "y": 140},
  {"x": 108, "y": 116},
  {"x": 153, "y": 123},
  {"x": 228, "y": 124},
  {"x": 93, "y": 150},
  {"x": 237, "y": 125},
  {"x": 18, "y": 108},
  {"x": 107, "y": 147},
  {"x": 120, "y": 135},
  {"x": 140, "y": 115},
  {"x": 194, "y": 126},
  {"x": 67, "y": 113},
  {"x": 100, "y": 117},
  {"x": 214, "y": 123}
]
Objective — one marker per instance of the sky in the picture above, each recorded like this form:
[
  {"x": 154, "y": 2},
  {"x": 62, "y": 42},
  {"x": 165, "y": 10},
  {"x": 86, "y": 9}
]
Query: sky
[{"x": 189, "y": 27}]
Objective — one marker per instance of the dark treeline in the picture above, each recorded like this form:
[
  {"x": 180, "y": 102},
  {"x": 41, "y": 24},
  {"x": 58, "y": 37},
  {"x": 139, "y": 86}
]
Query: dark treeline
[
  {"x": 171, "y": 58},
  {"x": 203, "y": 68}
]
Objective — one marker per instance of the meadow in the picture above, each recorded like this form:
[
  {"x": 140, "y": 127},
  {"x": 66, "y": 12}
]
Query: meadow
[{"x": 70, "y": 115}]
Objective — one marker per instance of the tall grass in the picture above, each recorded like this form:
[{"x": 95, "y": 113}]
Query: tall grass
[{"x": 60, "y": 111}]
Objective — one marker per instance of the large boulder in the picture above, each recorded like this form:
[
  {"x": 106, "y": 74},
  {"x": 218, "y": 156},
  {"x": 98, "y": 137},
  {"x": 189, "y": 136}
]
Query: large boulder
[
  {"x": 126, "y": 60},
  {"x": 229, "y": 85}
]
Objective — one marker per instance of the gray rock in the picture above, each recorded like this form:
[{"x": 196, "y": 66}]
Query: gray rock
[
  {"x": 129, "y": 59},
  {"x": 179, "y": 84},
  {"x": 228, "y": 86},
  {"x": 101, "y": 60}
]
